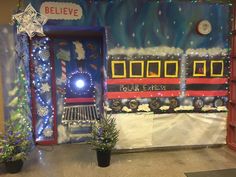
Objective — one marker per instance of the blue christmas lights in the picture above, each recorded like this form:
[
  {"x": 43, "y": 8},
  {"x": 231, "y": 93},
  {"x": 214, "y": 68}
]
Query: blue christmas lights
[{"x": 42, "y": 82}]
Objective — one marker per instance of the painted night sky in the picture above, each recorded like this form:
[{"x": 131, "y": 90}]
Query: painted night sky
[{"x": 145, "y": 23}]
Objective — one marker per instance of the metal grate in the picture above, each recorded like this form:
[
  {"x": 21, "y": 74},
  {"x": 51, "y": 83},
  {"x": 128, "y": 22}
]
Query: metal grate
[{"x": 79, "y": 113}]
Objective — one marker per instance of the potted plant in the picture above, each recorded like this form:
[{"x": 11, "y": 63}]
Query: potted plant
[
  {"x": 15, "y": 144},
  {"x": 104, "y": 138}
]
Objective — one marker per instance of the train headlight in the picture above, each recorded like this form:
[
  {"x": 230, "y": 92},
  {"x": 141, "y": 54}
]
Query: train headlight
[{"x": 79, "y": 83}]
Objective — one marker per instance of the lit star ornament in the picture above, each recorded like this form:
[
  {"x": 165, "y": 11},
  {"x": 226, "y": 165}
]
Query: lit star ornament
[{"x": 30, "y": 21}]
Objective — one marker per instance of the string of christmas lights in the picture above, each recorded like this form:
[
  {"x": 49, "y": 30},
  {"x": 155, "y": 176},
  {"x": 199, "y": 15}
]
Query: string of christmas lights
[{"x": 42, "y": 82}]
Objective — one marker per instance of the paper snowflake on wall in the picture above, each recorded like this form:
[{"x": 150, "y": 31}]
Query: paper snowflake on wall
[
  {"x": 38, "y": 44},
  {"x": 42, "y": 111},
  {"x": 45, "y": 88},
  {"x": 44, "y": 54},
  {"x": 47, "y": 132},
  {"x": 30, "y": 21},
  {"x": 40, "y": 71}
]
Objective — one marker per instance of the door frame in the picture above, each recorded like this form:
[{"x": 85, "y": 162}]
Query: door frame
[{"x": 53, "y": 32}]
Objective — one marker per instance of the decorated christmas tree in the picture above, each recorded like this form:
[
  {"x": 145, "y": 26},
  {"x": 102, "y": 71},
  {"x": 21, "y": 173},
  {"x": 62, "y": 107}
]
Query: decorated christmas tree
[{"x": 17, "y": 141}]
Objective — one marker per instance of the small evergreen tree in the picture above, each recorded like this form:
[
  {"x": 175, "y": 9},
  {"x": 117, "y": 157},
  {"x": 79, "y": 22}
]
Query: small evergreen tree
[{"x": 17, "y": 141}]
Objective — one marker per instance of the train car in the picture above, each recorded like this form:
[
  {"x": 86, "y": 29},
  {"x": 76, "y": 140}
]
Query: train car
[
  {"x": 207, "y": 81},
  {"x": 137, "y": 80},
  {"x": 194, "y": 81}
]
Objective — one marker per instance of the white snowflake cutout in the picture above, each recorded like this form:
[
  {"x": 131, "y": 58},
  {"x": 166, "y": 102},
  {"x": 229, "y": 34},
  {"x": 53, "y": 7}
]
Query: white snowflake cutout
[
  {"x": 45, "y": 88},
  {"x": 38, "y": 44},
  {"x": 44, "y": 54},
  {"x": 47, "y": 132},
  {"x": 40, "y": 71},
  {"x": 42, "y": 111}
]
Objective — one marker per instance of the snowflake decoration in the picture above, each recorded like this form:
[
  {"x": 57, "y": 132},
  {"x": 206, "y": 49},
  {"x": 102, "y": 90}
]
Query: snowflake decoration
[
  {"x": 45, "y": 87},
  {"x": 30, "y": 21},
  {"x": 47, "y": 132},
  {"x": 40, "y": 71},
  {"x": 44, "y": 54},
  {"x": 42, "y": 111},
  {"x": 38, "y": 44},
  {"x": 79, "y": 50}
]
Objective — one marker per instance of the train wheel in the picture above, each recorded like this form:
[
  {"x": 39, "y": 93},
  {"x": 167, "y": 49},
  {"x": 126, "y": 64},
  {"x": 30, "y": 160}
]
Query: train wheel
[
  {"x": 218, "y": 102},
  {"x": 116, "y": 105},
  {"x": 173, "y": 103},
  {"x": 133, "y": 105},
  {"x": 198, "y": 104},
  {"x": 154, "y": 104}
]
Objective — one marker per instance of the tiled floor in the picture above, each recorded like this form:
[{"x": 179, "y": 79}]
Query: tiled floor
[{"x": 80, "y": 161}]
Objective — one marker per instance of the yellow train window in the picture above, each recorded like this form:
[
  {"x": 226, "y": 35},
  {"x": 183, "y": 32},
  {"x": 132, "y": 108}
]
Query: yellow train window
[
  {"x": 217, "y": 68},
  {"x": 171, "y": 68},
  {"x": 136, "y": 68},
  {"x": 199, "y": 68},
  {"x": 118, "y": 69},
  {"x": 153, "y": 68}
]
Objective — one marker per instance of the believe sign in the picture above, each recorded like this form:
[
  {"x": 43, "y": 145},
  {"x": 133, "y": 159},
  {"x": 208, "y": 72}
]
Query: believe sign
[{"x": 61, "y": 11}]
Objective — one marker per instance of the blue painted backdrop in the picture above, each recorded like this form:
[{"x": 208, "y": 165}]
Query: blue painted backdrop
[{"x": 145, "y": 23}]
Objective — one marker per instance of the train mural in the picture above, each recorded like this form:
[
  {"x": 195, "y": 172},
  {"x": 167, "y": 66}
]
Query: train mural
[{"x": 194, "y": 81}]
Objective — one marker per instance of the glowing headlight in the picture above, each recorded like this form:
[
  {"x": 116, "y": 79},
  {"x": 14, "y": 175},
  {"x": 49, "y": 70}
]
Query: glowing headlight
[{"x": 79, "y": 83}]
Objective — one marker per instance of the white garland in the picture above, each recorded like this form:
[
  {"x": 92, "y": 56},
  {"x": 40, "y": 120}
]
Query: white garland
[
  {"x": 207, "y": 52},
  {"x": 164, "y": 51},
  {"x": 157, "y": 51}
]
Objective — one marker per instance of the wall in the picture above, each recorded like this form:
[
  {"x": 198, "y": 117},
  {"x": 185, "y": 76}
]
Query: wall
[
  {"x": 139, "y": 26},
  {"x": 5, "y": 18},
  {"x": 7, "y": 9}
]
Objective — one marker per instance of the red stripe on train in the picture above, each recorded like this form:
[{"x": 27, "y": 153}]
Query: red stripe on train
[
  {"x": 206, "y": 93},
  {"x": 149, "y": 94},
  {"x": 206, "y": 80},
  {"x": 144, "y": 81},
  {"x": 79, "y": 100}
]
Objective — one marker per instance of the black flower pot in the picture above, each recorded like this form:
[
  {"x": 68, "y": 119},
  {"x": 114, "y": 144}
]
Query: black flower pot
[
  {"x": 14, "y": 166},
  {"x": 103, "y": 158}
]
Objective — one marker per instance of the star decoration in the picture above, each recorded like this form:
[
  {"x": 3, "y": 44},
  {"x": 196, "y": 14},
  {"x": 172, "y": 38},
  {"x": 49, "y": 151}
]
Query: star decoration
[
  {"x": 45, "y": 88},
  {"x": 30, "y": 21}
]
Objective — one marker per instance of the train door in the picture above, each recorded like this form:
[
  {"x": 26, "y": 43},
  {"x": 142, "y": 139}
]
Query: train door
[
  {"x": 231, "y": 124},
  {"x": 79, "y": 82}
]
